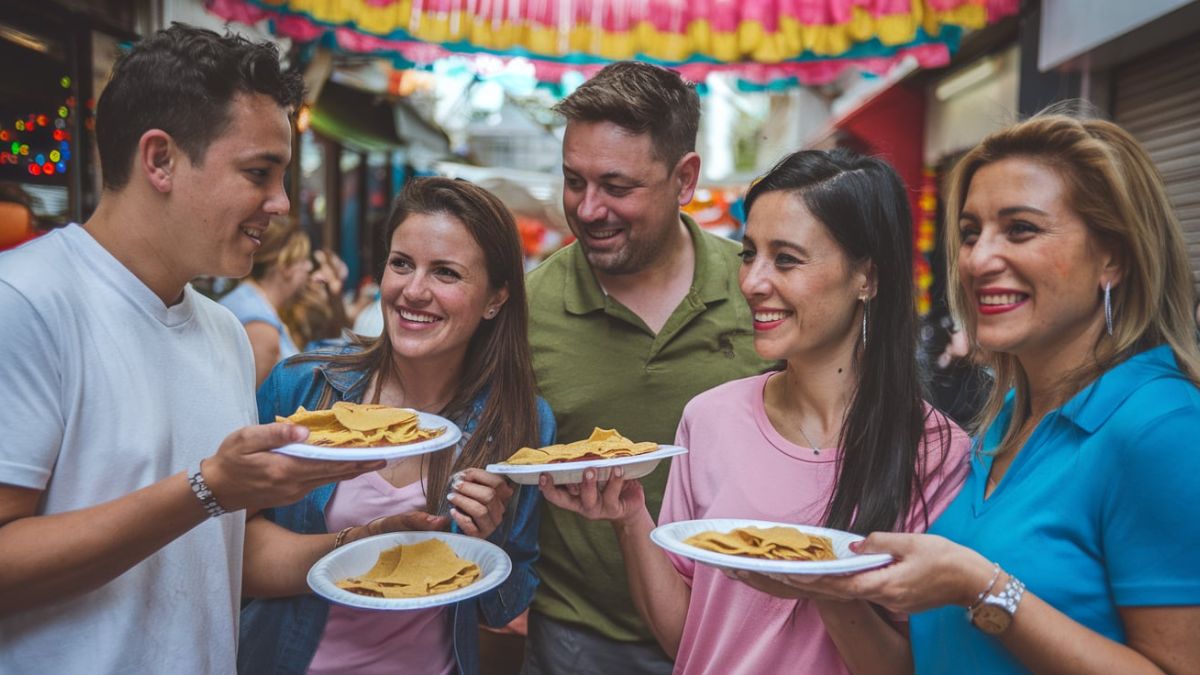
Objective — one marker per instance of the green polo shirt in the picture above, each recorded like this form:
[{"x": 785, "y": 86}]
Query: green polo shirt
[{"x": 599, "y": 365}]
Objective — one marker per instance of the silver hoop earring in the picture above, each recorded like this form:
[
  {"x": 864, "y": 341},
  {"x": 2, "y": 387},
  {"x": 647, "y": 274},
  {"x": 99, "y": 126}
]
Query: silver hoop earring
[
  {"x": 864, "y": 323},
  {"x": 1108, "y": 306}
]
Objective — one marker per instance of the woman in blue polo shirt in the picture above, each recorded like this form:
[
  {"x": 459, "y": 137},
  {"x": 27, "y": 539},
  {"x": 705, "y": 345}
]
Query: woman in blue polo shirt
[{"x": 1072, "y": 544}]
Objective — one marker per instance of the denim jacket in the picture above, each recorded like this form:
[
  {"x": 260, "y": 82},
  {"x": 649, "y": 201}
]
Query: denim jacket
[{"x": 280, "y": 635}]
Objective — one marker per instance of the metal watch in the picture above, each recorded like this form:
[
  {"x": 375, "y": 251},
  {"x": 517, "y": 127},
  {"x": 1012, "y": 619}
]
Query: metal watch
[
  {"x": 205, "y": 495},
  {"x": 994, "y": 614}
]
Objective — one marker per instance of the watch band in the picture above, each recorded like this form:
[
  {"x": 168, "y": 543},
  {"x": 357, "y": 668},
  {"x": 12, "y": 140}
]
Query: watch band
[
  {"x": 1011, "y": 595},
  {"x": 204, "y": 494},
  {"x": 995, "y": 614}
]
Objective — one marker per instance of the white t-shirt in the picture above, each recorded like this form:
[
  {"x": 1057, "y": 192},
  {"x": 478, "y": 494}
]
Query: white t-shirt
[{"x": 105, "y": 391}]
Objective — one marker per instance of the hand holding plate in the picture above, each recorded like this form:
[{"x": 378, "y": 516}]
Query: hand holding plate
[
  {"x": 617, "y": 500},
  {"x": 477, "y": 500},
  {"x": 929, "y": 571},
  {"x": 245, "y": 474}
]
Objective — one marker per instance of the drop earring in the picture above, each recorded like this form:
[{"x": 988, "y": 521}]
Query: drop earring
[
  {"x": 864, "y": 322},
  {"x": 1108, "y": 306}
]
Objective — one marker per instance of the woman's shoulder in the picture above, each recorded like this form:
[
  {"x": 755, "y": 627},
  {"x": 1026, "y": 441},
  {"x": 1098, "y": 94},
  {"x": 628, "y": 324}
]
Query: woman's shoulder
[
  {"x": 1157, "y": 410},
  {"x": 718, "y": 399}
]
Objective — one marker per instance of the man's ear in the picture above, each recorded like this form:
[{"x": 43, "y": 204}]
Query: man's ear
[
  {"x": 156, "y": 159},
  {"x": 687, "y": 173}
]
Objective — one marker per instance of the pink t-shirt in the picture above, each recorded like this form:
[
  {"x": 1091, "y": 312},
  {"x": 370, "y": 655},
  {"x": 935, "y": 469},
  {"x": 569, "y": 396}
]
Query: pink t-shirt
[
  {"x": 367, "y": 642},
  {"x": 739, "y": 466}
]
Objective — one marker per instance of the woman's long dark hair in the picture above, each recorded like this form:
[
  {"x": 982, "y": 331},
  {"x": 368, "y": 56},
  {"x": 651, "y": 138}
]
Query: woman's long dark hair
[
  {"x": 864, "y": 207},
  {"x": 497, "y": 361}
]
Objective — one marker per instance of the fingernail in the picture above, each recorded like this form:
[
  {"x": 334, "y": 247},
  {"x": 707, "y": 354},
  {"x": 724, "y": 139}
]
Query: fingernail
[
  {"x": 856, "y": 546},
  {"x": 298, "y": 432},
  {"x": 618, "y": 472},
  {"x": 542, "y": 479},
  {"x": 589, "y": 474},
  {"x": 450, "y": 497},
  {"x": 456, "y": 483}
]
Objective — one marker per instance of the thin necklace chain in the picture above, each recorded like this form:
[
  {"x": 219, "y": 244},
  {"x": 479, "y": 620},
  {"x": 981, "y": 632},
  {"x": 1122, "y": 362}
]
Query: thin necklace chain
[{"x": 814, "y": 446}]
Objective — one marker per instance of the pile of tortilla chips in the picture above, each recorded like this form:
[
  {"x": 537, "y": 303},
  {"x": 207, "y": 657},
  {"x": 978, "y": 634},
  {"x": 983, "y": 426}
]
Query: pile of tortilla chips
[
  {"x": 771, "y": 543},
  {"x": 412, "y": 571},
  {"x": 360, "y": 425},
  {"x": 603, "y": 444}
]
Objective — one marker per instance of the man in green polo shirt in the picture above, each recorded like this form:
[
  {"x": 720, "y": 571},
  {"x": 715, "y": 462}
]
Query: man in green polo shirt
[{"x": 628, "y": 323}]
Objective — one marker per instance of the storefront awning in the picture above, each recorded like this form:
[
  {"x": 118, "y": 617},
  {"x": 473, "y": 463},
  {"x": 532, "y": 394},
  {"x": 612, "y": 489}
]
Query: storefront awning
[{"x": 759, "y": 40}]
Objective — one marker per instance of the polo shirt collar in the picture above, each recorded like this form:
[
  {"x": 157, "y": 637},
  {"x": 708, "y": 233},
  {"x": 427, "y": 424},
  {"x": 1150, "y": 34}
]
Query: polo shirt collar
[
  {"x": 1092, "y": 406},
  {"x": 583, "y": 294}
]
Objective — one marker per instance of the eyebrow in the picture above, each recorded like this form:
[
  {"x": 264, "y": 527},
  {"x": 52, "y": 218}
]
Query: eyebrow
[
  {"x": 271, "y": 157},
  {"x": 456, "y": 263},
  {"x": 1014, "y": 210},
  {"x": 607, "y": 175},
  {"x": 781, "y": 243}
]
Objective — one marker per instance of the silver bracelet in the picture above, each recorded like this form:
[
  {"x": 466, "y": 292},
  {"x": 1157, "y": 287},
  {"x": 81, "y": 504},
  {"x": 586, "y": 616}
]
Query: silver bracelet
[{"x": 205, "y": 495}]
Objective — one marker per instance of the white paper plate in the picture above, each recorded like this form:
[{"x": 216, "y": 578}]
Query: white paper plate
[
  {"x": 671, "y": 536},
  {"x": 360, "y": 556},
  {"x": 565, "y": 473},
  {"x": 425, "y": 420}
]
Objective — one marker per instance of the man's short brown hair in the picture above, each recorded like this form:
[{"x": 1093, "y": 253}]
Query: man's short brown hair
[{"x": 640, "y": 98}]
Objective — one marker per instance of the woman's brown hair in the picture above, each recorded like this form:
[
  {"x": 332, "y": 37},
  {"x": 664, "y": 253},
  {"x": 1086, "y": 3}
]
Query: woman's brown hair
[
  {"x": 1117, "y": 191},
  {"x": 498, "y": 362}
]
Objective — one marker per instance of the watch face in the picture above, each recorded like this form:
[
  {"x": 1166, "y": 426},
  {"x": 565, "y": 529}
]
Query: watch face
[{"x": 991, "y": 619}]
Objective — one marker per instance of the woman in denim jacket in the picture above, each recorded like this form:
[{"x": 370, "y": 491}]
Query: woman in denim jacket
[{"x": 454, "y": 343}]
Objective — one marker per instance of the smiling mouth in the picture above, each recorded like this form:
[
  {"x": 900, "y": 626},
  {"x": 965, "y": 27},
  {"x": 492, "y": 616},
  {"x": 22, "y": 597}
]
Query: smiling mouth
[
  {"x": 1002, "y": 298},
  {"x": 768, "y": 317},
  {"x": 996, "y": 303},
  {"x": 601, "y": 233},
  {"x": 253, "y": 232},
  {"x": 417, "y": 317}
]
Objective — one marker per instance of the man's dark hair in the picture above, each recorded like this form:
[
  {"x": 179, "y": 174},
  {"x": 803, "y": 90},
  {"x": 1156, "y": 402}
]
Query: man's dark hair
[
  {"x": 640, "y": 98},
  {"x": 182, "y": 80}
]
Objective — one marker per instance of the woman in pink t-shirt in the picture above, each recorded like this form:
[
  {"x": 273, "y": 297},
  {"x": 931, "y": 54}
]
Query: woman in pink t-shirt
[{"x": 840, "y": 437}]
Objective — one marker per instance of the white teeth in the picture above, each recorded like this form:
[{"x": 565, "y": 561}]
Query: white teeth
[
  {"x": 603, "y": 234},
  {"x": 763, "y": 317},
  {"x": 420, "y": 318},
  {"x": 1001, "y": 299},
  {"x": 256, "y": 235}
]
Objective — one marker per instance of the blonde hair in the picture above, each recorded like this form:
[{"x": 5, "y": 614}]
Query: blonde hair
[
  {"x": 1119, "y": 194},
  {"x": 283, "y": 243}
]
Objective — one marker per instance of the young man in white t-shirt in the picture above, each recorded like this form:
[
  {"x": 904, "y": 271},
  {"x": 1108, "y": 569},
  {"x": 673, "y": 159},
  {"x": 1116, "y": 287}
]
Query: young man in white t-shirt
[{"x": 127, "y": 456}]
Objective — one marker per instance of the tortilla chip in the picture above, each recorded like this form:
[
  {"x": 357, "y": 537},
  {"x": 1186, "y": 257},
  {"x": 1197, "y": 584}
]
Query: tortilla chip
[
  {"x": 602, "y": 444},
  {"x": 771, "y": 543},
  {"x": 361, "y": 425},
  {"x": 414, "y": 570}
]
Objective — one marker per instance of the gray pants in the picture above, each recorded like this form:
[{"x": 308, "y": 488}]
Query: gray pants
[{"x": 556, "y": 648}]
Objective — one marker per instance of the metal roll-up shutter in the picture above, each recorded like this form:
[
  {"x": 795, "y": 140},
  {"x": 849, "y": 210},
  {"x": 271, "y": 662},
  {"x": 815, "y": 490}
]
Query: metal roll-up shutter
[{"x": 1157, "y": 99}]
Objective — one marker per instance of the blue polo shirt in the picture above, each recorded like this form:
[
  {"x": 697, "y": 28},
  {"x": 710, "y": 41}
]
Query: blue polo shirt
[{"x": 1099, "y": 510}]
